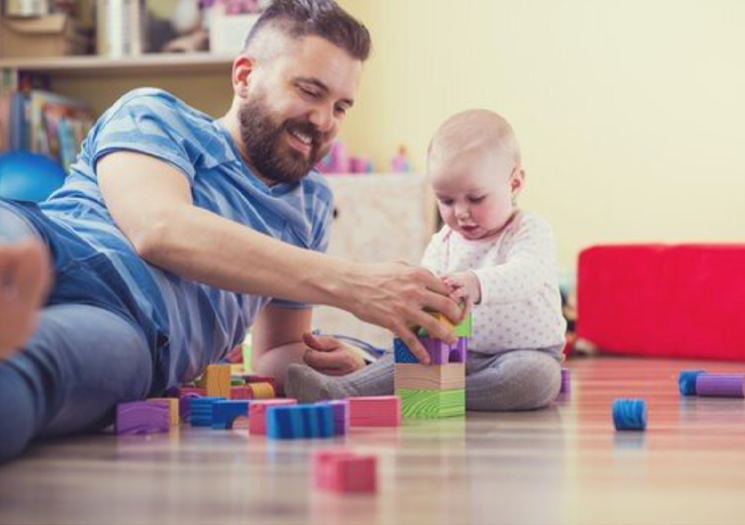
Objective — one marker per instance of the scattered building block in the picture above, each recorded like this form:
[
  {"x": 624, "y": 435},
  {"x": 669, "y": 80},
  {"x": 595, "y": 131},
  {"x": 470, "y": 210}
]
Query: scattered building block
[
  {"x": 224, "y": 413},
  {"x": 687, "y": 381},
  {"x": 300, "y": 421},
  {"x": 345, "y": 472},
  {"x": 415, "y": 376},
  {"x": 341, "y": 416},
  {"x": 720, "y": 385},
  {"x": 241, "y": 392},
  {"x": 566, "y": 381},
  {"x": 216, "y": 380},
  {"x": 201, "y": 411},
  {"x": 257, "y": 414},
  {"x": 237, "y": 381},
  {"x": 379, "y": 411},
  {"x": 201, "y": 392},
  {"x": 141, "y": 417},
  {"x": 439, "y": 351},
  {"x": 173, "y": 408},
  {"x": 185, "y": 405},
  {"x": 262, "y": 390},
  {"x": 432, "y": 404},
  {"x": 629, "y": 414}
]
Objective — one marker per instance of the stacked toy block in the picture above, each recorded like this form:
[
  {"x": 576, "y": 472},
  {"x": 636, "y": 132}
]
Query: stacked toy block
[{"x": 439, "y": 389}]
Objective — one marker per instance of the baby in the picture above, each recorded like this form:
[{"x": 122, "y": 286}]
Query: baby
[{"x": 496, "y": 257}]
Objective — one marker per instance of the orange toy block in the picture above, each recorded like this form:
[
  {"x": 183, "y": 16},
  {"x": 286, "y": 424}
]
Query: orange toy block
[{"x": 173, "y": 408}]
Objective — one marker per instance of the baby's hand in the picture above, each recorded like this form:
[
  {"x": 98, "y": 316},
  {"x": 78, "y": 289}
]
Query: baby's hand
[{"x": 465, "y": 286}]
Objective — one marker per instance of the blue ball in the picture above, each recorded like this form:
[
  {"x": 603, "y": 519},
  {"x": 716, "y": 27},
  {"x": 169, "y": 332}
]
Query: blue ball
[
  {"x": 28, "y": 176},
  {"x": 630, "y": 414}
]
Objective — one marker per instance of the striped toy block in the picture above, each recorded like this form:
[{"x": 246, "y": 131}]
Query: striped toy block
[
  {"x": 141, "y": 417},
  {"x": 439, "y": 351},
  {"x": 341, "y": 415},
  {"x": 415, "y": 376},
  {"x": 344, "y": 472},
  {"x": 173, "y": 408},
  {"x": 200, "y": 410},
  {"x": 224, "y": 413},
  {"x": 300, "y": 422},
  {"x": 378, "y": 411},
  {"x": 432, "y": 404},
  {"x": 216, "y": 380},
  {"x": 257, "y": 413},
  {"x": 241, "y": 392}
]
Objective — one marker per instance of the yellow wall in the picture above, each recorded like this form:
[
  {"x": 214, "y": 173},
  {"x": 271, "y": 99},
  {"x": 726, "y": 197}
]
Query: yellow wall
[{"x": 631, "y": 113}]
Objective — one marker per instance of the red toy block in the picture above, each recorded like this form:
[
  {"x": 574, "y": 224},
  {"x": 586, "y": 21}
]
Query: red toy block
[
  {"x": 378, "y": 411},
  {"x": 257, "y": 414},
  {"x": 241, "y": 393},
  {"x": 345, "y": 472}
]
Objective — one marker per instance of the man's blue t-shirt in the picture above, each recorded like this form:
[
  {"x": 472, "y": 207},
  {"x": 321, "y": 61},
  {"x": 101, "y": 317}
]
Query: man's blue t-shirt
[{"x": 189, "y": 324}]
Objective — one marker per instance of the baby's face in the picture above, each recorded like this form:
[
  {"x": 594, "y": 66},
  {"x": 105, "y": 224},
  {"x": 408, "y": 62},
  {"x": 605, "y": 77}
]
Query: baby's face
[{"x": 474, "y": 192}]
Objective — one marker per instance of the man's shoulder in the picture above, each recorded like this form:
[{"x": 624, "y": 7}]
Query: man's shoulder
[
  {"x": 159, "y": 103},
  {"x": 316, "y": 184}
]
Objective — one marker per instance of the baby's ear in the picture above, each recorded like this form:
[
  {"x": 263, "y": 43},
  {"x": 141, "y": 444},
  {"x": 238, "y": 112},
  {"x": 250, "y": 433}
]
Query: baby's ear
[{"x": 517, "y": 181}]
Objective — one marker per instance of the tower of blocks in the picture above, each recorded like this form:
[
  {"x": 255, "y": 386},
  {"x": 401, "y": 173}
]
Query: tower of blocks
[{"x": 436, "y": 390}]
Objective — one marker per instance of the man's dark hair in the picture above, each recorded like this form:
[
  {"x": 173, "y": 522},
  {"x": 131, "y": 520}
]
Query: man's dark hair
[{"x": 322, "y": 18}]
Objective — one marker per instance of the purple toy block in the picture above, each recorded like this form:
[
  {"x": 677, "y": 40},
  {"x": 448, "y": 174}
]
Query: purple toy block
[
  {"x": 142, "y": 417},
  {"x": 720, "y": 385},
  {"x": 341, "y": 416},
  {"x": 566, "y": 381},
  {"x": 442, "y": 353}
]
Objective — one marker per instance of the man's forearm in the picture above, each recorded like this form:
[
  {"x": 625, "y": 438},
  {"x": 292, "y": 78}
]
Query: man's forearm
[{"x": 207, "y": 248}]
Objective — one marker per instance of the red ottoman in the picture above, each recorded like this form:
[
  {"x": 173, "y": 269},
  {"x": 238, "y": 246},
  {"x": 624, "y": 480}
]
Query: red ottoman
[{"x": 663, "y": 300}]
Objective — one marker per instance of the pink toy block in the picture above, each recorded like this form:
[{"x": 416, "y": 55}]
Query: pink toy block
[
  {"x": 345, "y": 472},
  {"x": 142, "y": 417},
  {"x": 182, "y": 391},
  {"x": 379, "y": 411},
  {"x": 257, "y": 414},
  {"x": 241, "y": 393}
]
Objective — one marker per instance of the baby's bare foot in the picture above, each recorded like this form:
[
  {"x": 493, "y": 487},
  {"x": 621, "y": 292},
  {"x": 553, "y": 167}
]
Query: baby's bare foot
[{"x": 24, "y": 283}]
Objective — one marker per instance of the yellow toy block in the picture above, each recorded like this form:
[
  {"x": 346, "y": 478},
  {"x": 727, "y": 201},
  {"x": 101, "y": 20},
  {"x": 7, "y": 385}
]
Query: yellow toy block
[{"x": 216, "y": 380}]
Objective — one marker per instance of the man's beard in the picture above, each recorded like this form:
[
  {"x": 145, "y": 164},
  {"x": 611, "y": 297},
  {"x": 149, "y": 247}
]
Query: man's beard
[{"x": 267, "y": 146}]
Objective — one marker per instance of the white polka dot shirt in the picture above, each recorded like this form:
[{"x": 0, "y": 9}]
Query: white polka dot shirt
[{"x": 520, "y": 304}]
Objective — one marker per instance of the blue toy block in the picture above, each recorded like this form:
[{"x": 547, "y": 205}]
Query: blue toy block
[
  {"x": 440, "y": 353},
  {"x": 201, "y": 410},
  {"x": 300, "y": 422},
  {"x": 224, "y": 413}
]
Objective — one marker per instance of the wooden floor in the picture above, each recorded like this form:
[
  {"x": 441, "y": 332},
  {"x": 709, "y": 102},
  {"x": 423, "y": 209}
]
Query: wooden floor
[{"x": 565, "y": 464}]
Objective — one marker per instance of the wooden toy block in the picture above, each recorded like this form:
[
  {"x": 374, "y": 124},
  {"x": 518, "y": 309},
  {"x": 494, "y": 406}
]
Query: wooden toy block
[
  {"x": 439, "y": 351},
  {"x": 216, "y": 380},
  {"x": 462, "y": 329},
  {"x": 415, "y": 376},
  {"x": 237, "y": 381},
  {"x": 241, "y": 392},
  {"x": 341, "y": 416},
  {"x": 224, "y": 413},
  {"x": 200, "y": 410},
  {"x": 432, "y": 404},
  {"x": 257, "y": 413},
  {"x": 173, "y": 405},
  {"x": 379, "y": 411},
  {"x": 262, "y": 390},
  {"x": 257, "y": 378},
  {"x": 201, "y": 392},
  {"x": 345, "y": 472},
  {"x": 300, "y": 421},
  {"x": 141, "y": 417}
]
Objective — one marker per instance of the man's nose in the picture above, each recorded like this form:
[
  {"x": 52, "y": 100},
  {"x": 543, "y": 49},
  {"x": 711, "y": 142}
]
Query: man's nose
[{"x": 323, "y": 119}]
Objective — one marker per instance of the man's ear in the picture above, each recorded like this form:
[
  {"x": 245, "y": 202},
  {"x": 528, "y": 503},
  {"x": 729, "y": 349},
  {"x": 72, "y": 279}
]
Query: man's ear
[{"x": 243, "y": 67}]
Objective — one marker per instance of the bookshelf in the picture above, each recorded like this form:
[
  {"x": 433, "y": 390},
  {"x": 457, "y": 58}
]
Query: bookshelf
[{"x": 148, "y": 64}]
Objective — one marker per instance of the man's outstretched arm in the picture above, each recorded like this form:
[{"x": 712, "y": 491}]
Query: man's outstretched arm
[{"x": 151, "y": 202}]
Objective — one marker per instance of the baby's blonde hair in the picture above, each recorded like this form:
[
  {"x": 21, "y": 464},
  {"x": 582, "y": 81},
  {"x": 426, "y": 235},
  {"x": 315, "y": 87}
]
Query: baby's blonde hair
[{"x": 474, "y": 131}]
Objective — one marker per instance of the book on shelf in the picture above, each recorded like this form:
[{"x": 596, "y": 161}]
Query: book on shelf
[{"x": 43, "y": 122}]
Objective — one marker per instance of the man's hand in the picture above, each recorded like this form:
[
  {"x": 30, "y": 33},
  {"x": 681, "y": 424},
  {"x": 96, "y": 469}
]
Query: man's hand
[
  {"x": 329, "y": 356},
  {"x": 465, "y": 287},
  {"x": 394, "y": 296}
]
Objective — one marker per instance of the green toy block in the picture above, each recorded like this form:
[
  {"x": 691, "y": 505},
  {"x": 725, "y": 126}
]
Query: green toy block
[
  {"x": 432, "y": 404},
  {"x": 464, "y": 329}
]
